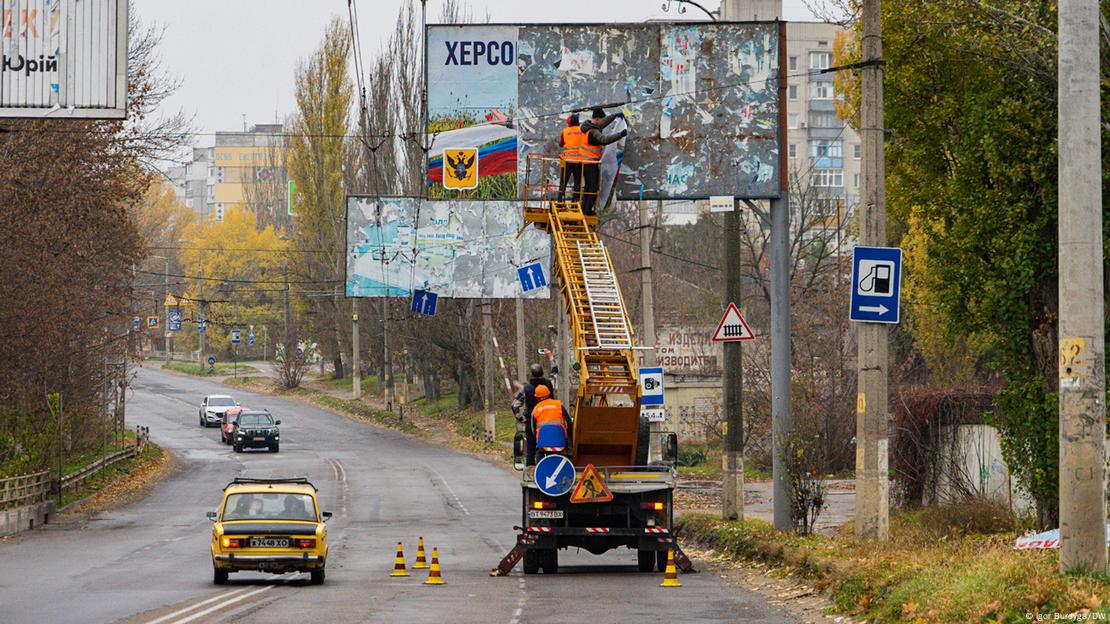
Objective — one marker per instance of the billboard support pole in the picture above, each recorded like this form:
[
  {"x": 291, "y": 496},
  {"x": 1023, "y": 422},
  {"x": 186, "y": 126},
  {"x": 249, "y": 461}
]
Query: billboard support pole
[
  {"x": 487, "y": 340},
  {"x": 732, "y": 493},
  {"x": 647, "y": 303}
]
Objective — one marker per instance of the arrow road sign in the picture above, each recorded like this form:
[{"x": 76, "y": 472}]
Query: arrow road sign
[
  {"x": 250, "y": 336},
  {"x": 555, "y": 475},
  {"x": 531, "y": 277},
  {"x": 733, "y": 327},
  {"x": 651, "y": 386},
  {"x": 876, "y": 284},
  {"x": 202, "y": 325},
  {"x": 424, "y": 302}
]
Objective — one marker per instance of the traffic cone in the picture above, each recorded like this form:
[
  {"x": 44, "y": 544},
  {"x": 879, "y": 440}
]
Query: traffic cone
[
  {"x": 434, "y": 577},
  {"x": 399, "y": 563},
  {"x": 421, "y": 562},
  {"x": 670, "y": 577}
]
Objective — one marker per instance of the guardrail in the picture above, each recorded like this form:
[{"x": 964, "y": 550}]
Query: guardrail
[{"x": 34, "y": 488}]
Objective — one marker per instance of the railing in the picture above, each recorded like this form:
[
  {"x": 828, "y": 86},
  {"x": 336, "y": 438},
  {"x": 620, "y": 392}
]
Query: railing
[{"x": 34, "y": 488}]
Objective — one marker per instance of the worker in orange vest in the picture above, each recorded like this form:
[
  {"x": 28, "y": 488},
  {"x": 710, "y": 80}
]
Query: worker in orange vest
[
  {"x": 591, "y": 152},
  {"x": 551, "y": 422},
  {"x": 571, "y": 140}
]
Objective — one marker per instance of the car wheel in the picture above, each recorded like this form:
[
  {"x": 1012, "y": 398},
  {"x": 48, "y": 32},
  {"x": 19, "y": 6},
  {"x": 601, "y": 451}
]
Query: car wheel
[
  {"x": 318, "y": 576},
  {"x": 531, "y": 561},
  {"x": 645, "y": 560},
  {"x": 238, "y": 448},
  {"x": 274, "y": 448},
  {"x": 219, "y": 576}
]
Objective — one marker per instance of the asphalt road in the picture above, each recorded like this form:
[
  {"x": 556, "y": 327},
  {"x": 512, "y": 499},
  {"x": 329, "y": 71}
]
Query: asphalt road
[{"x": 149, "y": 562}]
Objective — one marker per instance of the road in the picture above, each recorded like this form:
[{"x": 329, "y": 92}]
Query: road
[{"x": 149, "y": 562}]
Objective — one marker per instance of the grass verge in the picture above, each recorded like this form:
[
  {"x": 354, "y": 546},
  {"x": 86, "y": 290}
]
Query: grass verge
[
  {"x": 106, "y": 479},
  {"x": 221, "y": 368},
  {"x": 925, "y": 573}
]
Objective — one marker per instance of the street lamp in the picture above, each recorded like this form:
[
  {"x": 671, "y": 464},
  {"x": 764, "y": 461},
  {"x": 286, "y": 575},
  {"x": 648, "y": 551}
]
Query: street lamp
[{"x": 682, "y": 9}]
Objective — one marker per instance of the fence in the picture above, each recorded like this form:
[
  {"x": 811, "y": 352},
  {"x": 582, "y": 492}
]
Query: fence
[{"x": 34, "y": 488}]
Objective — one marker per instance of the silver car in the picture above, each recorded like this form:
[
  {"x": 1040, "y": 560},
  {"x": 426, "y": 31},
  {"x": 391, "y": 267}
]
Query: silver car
[{"x": 212, "y": 409}]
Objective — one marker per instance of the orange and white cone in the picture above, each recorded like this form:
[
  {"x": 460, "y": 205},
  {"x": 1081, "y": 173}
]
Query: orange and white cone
[
  {"x": 670, "y": 577},
  {"x": 434, "y": 576},
  {"x": 421, "y": 562},
  {"x": 399, "y": 563}
]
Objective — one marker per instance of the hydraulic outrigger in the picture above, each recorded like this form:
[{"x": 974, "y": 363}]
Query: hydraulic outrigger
[{"x": 607, "y": 428}]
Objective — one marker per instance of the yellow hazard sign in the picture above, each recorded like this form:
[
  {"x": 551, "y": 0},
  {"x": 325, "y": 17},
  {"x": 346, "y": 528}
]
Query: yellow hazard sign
[
  {"x": 460, "y": 168},
  {"x": 591, "y": 488},
  {"x": 170, "y": 301},
  {"x": 185, "y": 299}
]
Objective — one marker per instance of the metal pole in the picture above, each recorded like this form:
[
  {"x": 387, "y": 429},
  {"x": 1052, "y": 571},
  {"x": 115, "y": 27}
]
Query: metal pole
[
  {"x": 1082, "y": 317},
  {"x": 647, "y": 302},
  {"x": 356, "y": 375},
  {"x": 166, "y": 333},
  {"x": 487, "y": 341},
  {"x": 203, "y": 315},
  {"x": 732, "y": 493},
  {"x": 285, "y": 339},
  {"x": 521, "y": 355},
  {"x": 872, "y": 483}
]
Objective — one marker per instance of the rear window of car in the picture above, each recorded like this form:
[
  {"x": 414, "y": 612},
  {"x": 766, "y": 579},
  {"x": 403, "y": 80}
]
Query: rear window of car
[
  {"x": 270, "y": 506},
  {"x": 255, "y": 420},
  {"x": 220, "y": 402}
]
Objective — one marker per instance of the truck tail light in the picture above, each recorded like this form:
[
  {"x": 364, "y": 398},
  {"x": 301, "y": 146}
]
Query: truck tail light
[
  {"x": 543, "y": 505},
  {"x": 656, "y": 506},
  {"x": 233, "y": 542},
  {"x": 306, "y": 542}
]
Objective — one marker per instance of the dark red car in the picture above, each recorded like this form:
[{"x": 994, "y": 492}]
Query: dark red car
[{"x": 230, "y": 422}]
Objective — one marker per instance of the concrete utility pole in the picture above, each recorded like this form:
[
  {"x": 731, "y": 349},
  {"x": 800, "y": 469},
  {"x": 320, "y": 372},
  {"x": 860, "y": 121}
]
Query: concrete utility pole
[
  {"x": 872, "y": 428},
  {"x": 647, "y": 302},
  {"x": 732, "y": 493},
  {"x": 521, "y": 356},
  {"x": 356, "y": 375},
  {"x": 1081, "y": 329},
  {"x": 285, "y": 338},
  {"x": 166, "y": 333},
  {"x": 488, "y": 390},
  {"x": 201, "y": 303}
]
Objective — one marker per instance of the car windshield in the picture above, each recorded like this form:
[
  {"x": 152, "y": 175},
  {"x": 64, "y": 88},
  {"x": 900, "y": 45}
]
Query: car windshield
[
  {"x": 270, "y": 506},
  {"x": 220, "y": 402},
  {"x": 255, "y": 420}
]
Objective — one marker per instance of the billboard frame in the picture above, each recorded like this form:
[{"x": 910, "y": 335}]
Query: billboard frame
[
  {"x": 119, "y": 111},
  {"x": 783, "y": 75}
]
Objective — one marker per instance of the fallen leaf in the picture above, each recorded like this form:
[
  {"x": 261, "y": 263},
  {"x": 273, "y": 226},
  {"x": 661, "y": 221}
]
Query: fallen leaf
[{"x": 909, "y": 607}]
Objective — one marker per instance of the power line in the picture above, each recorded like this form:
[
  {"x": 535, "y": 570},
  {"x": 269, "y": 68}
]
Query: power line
[{"x": 234, "y": 281}]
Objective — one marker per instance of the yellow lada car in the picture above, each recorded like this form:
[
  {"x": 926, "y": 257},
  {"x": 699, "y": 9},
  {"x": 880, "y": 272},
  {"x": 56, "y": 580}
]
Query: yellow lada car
[{"x": 269, "y": 525}]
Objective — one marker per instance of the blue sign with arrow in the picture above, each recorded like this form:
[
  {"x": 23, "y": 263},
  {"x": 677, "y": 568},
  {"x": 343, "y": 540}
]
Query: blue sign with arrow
[
  {"x": 531, "y": 277},
  {"x": 876, "y": 284},
  {"x": 202, "y": 325},
  {"x": 250, "y": 336},
  {"x": 555, "y": 475},
  {"x": 424, "y": 302}
]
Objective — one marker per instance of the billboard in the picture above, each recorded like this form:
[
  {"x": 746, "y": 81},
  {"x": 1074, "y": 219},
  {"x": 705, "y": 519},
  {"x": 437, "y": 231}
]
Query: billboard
[
  {"x": 456, "y": 248},
  {"x": 701, "y": 100},
  {"x": 63, "y": 58}
]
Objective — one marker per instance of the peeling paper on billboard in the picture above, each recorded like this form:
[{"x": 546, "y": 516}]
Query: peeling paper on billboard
[
  {"x": 702, "y": 103},
  {"x": 463, "y": 249},
  {"x": 1047, "y": 539}
]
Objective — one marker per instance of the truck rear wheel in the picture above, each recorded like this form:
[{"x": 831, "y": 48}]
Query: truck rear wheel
[
  {"x": 645, "y": 560},
  {"x": 550, "y": 561},
  {"x": 531, "y": 561},
  {"x": 661, "y": 560}
]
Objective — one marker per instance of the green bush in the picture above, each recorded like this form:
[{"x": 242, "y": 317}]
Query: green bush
[{"x": 693, "y": 456}]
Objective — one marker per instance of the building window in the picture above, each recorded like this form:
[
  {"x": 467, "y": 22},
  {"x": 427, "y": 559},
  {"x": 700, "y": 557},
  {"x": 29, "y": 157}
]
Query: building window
[
  {"x": 793, "y": 92},
  {"x": 792, "y": 150},
  {"x": 857, "y": 151},
  {"x": 822, "y": 43},
  {"x": 824, "y": 119},
  {"x": 827, "y": 178},
  {"x": 793, "y": 120},
  {"x": 820, "y": 90},
  {"x": 855, "y": 180},
  {"x": 826, "y": 149},
  {"x": 820, "y": 60},
  {"x": 793, "y": 62}
]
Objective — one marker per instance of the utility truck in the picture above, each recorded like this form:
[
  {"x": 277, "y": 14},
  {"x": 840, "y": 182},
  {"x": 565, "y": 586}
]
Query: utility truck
[{"x": 618, "y": 499}]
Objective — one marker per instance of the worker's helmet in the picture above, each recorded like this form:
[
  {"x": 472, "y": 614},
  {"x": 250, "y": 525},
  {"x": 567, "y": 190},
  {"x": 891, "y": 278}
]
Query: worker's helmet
[{"x": 542, "y": 392}]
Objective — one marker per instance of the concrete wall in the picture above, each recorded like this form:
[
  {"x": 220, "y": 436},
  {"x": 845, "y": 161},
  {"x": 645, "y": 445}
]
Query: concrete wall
[{"x": 21, "y": 519}]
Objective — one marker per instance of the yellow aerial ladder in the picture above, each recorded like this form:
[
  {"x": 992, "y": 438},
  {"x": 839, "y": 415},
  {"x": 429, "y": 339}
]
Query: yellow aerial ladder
[{"x": 607, "y": 429}]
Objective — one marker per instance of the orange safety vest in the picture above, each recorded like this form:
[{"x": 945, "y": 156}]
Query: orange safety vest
[
  {"x": 548, "y": 411},
  {"x": 590, "y": 153},
  {"x": 573, "y": 140}
]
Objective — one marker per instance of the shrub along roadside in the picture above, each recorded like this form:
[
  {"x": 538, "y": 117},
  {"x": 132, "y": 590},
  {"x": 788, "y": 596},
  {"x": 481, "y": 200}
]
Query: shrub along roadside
[
  {"x": 919, "y": 576},
  {"x": 221, "y": 368}
]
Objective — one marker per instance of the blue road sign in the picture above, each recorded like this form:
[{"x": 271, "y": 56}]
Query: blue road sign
[
  {"x": 555, "y": 475},
  {"x": 211, "y": 360},
  {"x": 250, "y": 336},
  {"x": 175, "y": 319},
  {"x": 651, "y": 386},
  {"x": 202, "y": 325},
  {"x": 531, "y": 276},
  {"x": 236, "y": 336},
  {"x": 137, "y": 323},
  {"x": 876, "y": 284},
  {"x": 424, "y": 302}
]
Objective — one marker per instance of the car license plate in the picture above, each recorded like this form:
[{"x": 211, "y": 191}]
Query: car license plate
[
  {"x": 269, "y": 542},
  {"x": 545, "y": 514},
  {"x": 259, "y": 438}
]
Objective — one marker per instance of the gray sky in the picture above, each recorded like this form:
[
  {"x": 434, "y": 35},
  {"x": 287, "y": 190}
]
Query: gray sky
[{"x": 237, "y": 57}]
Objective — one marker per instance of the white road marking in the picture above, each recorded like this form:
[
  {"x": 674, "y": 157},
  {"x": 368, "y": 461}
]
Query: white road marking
[
  {"x": 170, "y": 616},
  {"x": 454, "y": 496},
  {"x": 224, "y": 604}
]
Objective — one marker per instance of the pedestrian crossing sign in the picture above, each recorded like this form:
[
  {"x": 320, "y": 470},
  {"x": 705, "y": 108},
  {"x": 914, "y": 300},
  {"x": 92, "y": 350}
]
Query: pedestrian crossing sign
[
  {"x": 170, "y": 301},
  {"x": 591, "y": 488},
  {"x": 185, "y": 300},
  {"x": 733, "y": 327}
]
